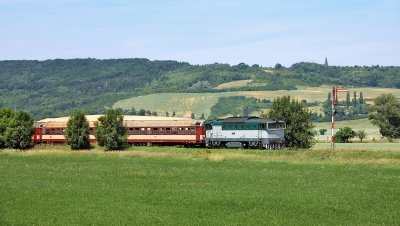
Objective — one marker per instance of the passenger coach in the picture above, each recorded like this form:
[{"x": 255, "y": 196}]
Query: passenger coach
[{"x": 187, "y": 132}]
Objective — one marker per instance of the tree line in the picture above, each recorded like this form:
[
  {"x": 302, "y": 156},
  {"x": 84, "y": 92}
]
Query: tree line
[
  {"x": 55, "y": 88},
  {"x": 16, "y": 128}
]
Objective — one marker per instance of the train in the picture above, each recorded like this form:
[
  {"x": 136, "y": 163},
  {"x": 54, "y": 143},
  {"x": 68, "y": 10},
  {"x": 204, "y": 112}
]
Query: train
[{"x": 231, "y": 132}]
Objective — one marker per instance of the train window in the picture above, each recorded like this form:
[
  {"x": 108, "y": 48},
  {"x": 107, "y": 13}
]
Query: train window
[
  {"x": 187, "y": 131},
  {"x": 148, "y": 130},
  {"x": 155, "y": 131},
  {"x": 143, "y": 130},
  {"x": 62, "y": 131},
  {"x": 224, "y": 127},
  {"x": 137, "y": 131},
  {"x": 53, "y": 131},
  {"x": 130, "y": 130},
  {"x": 58, "y": 131},
  {"x": 168, "y": 131},
  {"x": 208, "y": 127},
  {"x": 91, "y": 131},
  {"x": 192, "y": 129},
  {"x": 173, "y": 130},
  {"x": 271, "y": 125},
  {"x": 161, "y": 130},
  {"x": 47, "y": 131}
]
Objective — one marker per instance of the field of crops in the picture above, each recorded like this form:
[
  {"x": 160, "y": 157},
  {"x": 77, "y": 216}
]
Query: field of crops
[
  {"x": 51, "y": 185},
  {"x": 200, "y": 103}
]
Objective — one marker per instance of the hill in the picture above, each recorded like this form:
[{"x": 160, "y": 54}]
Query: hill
[
  {"x": 56, "y": 88},
  {"x": 200, "y": 103}
]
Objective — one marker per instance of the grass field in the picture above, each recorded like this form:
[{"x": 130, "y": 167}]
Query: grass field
[
  {"x": 360, "y": 124},
  {"x": 175, "y": 186},
  {"x": 200, "y": 103}
]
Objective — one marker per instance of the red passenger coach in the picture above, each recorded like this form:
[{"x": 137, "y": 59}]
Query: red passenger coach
[
  {"x": 53, "y": 132},
  {"x": 187, "y": 132},
  {"x": 142, "y": 130}
]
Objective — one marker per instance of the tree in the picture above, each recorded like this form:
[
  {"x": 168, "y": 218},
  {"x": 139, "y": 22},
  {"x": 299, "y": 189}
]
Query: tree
[
  {"x": 110, "y": 131},
  {"x": 327, "y": 106},
  {"x": 299, "y": 129},
  {"x": 354, "y": 99},
  {"x": 348, "y": 99},
  {"x": 202, "y": 116},
  {"x": 361, "y": 134},
  {"x": 385, "y": 113},
  {"x": 77, "y": 132},
  {"x": 278, "y": 66},
  {"x": 173, "y": 114},
  {"x": 19, "y": 131},
  {"x": 192, "y": 116},
  {"x": 133, "y": 111},
  {"x": 344, "y": 135},
  {"x": 6, "y": 115},
  {"x": 166, "y": 114},
  {"x": 361, "y": 98},
  {"x": 142, "y": 112},
  {"x": 322, "y": 131}
]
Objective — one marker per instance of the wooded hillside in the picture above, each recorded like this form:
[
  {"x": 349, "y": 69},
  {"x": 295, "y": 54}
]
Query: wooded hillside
[{"x": 54, "y": 88}]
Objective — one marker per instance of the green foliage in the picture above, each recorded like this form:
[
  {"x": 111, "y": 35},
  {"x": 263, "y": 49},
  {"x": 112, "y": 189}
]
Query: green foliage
[
  {"x": 54, "y": 88},
  {"x": 6, "y": 115},
  {"x": 322, "y": 131},
  {"x": 110, "y": 130},
  {"x": 361, "y": 134},
  {"x": 16, "y": 129},
  {"x": 344, "y": 135},
  {"x": 299, "y": 129},
  {"x": 77, "y": 132},
  {"x": 237, "y": 105},
  {"x": 385, "y": 113},
  {"x": 345, "y": 110}
]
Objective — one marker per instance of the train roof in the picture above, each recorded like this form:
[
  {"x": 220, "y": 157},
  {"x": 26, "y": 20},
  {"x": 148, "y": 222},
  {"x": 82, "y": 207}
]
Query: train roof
[
  {"x": 94, "y": 118},
  {"x": 129, "y": 121},
  {"x": 242, "y": 120}
]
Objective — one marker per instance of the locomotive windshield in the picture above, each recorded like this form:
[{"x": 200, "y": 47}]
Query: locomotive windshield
[{"x": 276, "y": 125}]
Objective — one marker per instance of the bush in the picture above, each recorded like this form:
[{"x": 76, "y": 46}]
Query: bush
[
  {"x": 322, "y": 131},
  {"x": 344, "y": 135}
]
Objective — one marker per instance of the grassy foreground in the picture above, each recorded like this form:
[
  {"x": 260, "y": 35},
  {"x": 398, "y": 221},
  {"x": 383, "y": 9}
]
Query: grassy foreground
[{"x": 176, "y": 186}]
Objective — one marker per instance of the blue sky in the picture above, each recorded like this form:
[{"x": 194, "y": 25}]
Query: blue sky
[{"x": 348, "y": 33}]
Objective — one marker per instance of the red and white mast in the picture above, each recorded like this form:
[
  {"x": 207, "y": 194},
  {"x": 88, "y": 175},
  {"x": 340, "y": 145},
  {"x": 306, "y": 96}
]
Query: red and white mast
[{"x": 335, "y": 91}]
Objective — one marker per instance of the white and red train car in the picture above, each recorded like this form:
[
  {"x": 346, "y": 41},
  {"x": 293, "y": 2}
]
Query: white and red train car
[{"x": 142, "y": 130}]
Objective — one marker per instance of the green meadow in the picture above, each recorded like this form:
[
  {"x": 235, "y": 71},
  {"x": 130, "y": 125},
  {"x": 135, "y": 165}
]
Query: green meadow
[
  {"x": 360, "y": 124},
  {"x": 51, "y": 185}
]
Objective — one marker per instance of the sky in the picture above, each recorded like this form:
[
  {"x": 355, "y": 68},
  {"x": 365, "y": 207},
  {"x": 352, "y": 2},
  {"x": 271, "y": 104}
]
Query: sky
[{"x": 263, "y": 32}]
